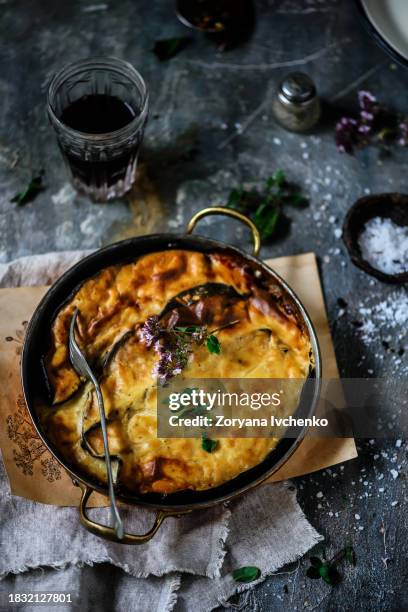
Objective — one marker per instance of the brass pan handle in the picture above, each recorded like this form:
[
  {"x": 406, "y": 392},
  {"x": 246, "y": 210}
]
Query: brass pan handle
[
  {"x": 109, "y": 533},
  {"x": 229, "y": 212}
]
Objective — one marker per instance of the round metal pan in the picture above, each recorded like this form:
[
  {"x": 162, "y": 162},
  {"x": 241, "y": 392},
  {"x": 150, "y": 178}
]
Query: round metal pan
[{"x": 34, "y": 385}]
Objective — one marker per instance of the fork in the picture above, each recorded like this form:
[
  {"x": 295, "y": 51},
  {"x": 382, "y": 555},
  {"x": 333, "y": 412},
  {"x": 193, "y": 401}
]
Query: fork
[{"x": 82, "y": 367}]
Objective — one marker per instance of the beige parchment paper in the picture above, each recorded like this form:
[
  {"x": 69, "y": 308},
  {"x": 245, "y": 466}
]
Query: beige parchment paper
[{"x": 35, "y": 474}]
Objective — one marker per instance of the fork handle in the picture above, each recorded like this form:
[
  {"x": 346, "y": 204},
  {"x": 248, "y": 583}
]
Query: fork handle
[{"x": 114, "y": 508}]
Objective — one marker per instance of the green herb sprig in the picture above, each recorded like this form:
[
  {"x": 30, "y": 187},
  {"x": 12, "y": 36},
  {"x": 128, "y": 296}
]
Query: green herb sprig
[
  {"x": 207, "y": 444},
  {"x": 175, "y": 345},
  {"x": 266, "y": 207},
  {"x": 31, "y": 191},
  {"x": 327, "y": 570},
  {"x": 247, "y": 573}
]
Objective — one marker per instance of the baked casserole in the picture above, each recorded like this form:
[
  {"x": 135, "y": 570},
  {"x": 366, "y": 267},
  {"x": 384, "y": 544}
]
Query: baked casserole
[{"x": 259, "y": 333}]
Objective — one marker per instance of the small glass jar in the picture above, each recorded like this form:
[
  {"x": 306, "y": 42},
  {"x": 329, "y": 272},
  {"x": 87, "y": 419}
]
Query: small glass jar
[
  {"x": 102, "y": 163},
  {"x": 296, "y": 105}
]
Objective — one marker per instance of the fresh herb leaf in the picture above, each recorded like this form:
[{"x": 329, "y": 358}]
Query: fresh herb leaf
[
  {"x": 166, "y": 48},
  {"x": 265, "y": 207},
  {"x": 213, "y": 345},
  {"x": 246, "y": 574},
  {"x": 266, "y": 219},
  {"x": 330, "y": 574},
  {"x": 208, "y": 445},
  {"x": 297, "y": 199},
  {"x": 234, "y": 198},
  {"x": 279, "y": 178},
  {"x": 327, "y": 570},
  {"x": 313, "y": 573},
  {"x": 31, "y": 191},
  {"x": 174, "y": 346}
]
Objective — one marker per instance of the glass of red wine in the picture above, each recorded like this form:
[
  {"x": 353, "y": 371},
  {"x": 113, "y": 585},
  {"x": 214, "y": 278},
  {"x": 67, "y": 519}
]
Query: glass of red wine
[{"x": 98, "y": 108}]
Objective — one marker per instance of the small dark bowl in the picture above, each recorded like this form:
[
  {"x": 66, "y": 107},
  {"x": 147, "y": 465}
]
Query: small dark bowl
[
  {"x": 393, "y": 206},
  {"x": 189, "y": 11}
]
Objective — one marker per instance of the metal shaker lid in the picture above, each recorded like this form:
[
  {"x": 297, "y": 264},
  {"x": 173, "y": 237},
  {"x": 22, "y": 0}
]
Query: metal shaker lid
[{"x": 297, "y": 87}]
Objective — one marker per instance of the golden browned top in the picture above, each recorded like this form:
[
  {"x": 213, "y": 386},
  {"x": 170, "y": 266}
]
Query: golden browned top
[{"x": 261, "y": 336}]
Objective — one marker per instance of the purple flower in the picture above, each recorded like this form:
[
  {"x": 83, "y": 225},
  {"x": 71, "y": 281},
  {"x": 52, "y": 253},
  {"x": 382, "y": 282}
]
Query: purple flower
[
  {"x": 366, "y": 116},
  {"x": 363, "y": 128},
  {"x": 403, "y": 133},
  {"x": 366, "y": 100},
  {"x": 150, "y": 331},
  {"x": 346, "y": 134},
  {"x": 173, "y": 358}
]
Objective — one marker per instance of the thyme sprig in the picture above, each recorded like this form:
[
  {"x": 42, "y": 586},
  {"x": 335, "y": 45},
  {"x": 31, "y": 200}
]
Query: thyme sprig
[
  {"x": 374, "y": 125},
  {"x": 327, "y": 569},
  {"x": 34, "y": 187},
  {"x": 266, "y": 207},
  {"x": 175, "y": 345}
]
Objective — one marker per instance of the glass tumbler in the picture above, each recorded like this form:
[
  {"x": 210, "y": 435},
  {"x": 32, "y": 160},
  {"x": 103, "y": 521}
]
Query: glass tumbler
[{"x": 98, "y": 108}]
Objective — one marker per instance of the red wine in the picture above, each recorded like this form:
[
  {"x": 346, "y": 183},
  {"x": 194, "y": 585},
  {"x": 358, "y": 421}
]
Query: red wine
[
  {"x": 97, "y": 114},
  {"x": 94, "y": 168}
]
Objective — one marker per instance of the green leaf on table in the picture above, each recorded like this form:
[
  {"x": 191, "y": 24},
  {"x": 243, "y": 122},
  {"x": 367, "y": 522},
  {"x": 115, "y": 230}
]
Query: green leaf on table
[
  {"x": 313, "y": 573},
  {"x": 279, "y": 178},
  {"x": 266, "y": 218},
  {"x": 248, "y": 573},
  {"x": 234, "y": 198},
  {"x": 31, "y": 191},
  {"x": 166, "y": 48},
  {"x": 208, "y": 445},
  {"x": 296, "y": 199},
  {"x": 265, "y": 206},
  {"x": 213, "y": 345},
  {"x": 330, "y": 574}
]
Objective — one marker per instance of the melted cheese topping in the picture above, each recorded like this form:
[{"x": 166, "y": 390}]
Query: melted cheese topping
[{"x": 261, "y": 336}]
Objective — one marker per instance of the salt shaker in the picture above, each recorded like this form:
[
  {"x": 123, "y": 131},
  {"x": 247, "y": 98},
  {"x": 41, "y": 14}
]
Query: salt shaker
[{"x": 296, "y": 105}]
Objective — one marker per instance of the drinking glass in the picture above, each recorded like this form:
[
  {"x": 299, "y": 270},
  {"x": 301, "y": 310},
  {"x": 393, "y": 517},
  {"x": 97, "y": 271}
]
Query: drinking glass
[{"x": 96, "y": 94}]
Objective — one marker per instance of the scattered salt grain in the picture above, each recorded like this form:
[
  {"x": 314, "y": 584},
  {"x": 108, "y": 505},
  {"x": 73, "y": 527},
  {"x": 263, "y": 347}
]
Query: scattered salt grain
[
  {"x": 384, "y": 245},
  {"x": 357, "y": 517},
  {"x": 398, "y": 443},
  {"x": 394, "y": 474},
  {"x": 277, "y": 141},
  {"x": 319, "y": 495},
  {"x": 394, "y": 503},
  {"x": 337, "y": 232}
]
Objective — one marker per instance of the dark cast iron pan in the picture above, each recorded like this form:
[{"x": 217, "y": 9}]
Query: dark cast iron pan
[{"x": 34, "y": 385}]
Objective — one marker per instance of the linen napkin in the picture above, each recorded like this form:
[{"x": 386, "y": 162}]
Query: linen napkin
[{"x": 266, "y": 527}]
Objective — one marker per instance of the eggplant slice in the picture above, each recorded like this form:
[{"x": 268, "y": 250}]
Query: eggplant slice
[{"x": 190, "y": 296}]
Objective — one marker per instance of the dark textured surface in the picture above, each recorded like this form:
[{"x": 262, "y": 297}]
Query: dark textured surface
[{"x": 211, "y": 128}]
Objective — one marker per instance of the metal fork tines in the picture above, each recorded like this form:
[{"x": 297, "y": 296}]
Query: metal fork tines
[{"x": 82, "y": 367}]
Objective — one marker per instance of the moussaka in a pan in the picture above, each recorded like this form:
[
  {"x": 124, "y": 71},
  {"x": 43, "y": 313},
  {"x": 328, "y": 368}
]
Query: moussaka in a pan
[{"x": 144, "y": 322}]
